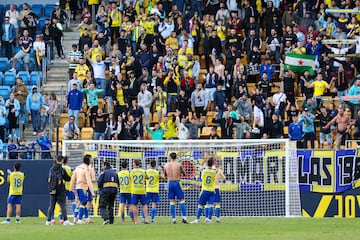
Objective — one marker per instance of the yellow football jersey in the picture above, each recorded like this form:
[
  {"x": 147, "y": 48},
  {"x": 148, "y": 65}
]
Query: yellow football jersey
[
  {"x": 208, "y": 179},
  {"x": 137, "y": 179},
  {"x": 152, "y": 183},
  {"x": 16, "y": 180},
  {"x": 124, "y": 179},
  {"x": 69, "y": 172}
]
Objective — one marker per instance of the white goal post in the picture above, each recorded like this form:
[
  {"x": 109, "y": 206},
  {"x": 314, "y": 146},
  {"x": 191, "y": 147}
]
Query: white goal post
[{"x": 261, "y": 175}]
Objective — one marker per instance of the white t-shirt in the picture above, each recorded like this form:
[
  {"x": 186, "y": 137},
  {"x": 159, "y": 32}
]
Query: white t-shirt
[
  {"x": 339, "y": 51},
  {"x": 99, "y": 69},
  {"x": 39, "y": 45},
  {"x": 278, "y": 98},
  {"x": 13, "y": 17}
]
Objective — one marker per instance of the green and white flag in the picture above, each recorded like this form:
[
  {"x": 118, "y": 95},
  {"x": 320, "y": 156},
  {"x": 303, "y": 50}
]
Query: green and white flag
[{"x": 300, "y": 62}]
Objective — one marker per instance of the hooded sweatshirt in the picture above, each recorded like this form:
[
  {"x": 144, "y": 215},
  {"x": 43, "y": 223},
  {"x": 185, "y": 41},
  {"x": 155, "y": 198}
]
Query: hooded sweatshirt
[{"x": 34, "y": 101}]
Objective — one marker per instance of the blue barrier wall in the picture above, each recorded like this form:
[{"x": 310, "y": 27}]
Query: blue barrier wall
[{"x": 36, "y": 195}]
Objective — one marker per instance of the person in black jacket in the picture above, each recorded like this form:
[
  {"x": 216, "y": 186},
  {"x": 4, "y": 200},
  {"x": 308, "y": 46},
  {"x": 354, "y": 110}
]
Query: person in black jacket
[
  {"x": 108, "y": 183},
  {"x": 227, "y": 125},
  {"x": 48, "y": 33},
  {"x": 59, "y": 195}
]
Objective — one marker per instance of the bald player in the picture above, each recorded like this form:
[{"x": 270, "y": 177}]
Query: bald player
[
  {"x": 81, "y": 177},
  {"x": 173, "y": 171}
]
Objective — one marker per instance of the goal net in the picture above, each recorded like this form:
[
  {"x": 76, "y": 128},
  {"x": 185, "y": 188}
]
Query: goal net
[{"x": 261, "y": 175}]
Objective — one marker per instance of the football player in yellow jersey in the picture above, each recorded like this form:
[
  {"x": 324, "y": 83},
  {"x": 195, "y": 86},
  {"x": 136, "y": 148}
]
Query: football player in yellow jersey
[
  {"x": 152, "y": 187},
  {"x": 217, "y": 199},
  {"x": 125, "y": 190},
  {"x": 207, "y": 195},
  {"x": 137, "y": 179},
  {"x": 16, "y": 181},
  {"x": 70, "y": 195}
]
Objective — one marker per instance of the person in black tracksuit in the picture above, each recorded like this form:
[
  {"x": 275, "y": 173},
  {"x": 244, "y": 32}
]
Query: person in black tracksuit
[
  {"x": 59, "y": 195},
  {"x": 108, "y": 183}
]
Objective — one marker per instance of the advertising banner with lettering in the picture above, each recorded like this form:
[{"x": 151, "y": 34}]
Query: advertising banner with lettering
[{"x": 329, "y": 182}]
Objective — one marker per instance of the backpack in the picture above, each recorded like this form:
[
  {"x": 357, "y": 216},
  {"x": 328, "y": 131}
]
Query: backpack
[{"x": 55, "y": 180}]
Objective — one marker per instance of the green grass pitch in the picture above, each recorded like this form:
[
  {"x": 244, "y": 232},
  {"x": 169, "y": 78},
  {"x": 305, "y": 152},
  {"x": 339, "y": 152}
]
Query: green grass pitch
[{"x": 229, "y": 228}]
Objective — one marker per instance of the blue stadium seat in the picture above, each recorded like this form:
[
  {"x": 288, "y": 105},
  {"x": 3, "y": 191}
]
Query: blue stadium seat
[
  {"x": 5, "y": 92},
  {"x": 25, "y": 76},
  {"x": 37, "y": 9},
  {"x": 41, "y": 24},
  {"x": 34, "y": 76},
  {"x": 1, "y": 78},
  {"x": 17, "y": 48},
  {"x": 9, "y": 79},
  {"x": 20, "y": 8},
  {"x": 48, "y": 10},
  {"x": 7, "y": 7},
  {"x": 18, "y": 65},
  {"x": 4, "y": 64},
  {"x": 31, "y": 64}
]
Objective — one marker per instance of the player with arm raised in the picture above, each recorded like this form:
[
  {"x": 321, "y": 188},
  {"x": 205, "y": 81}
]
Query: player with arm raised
[
  {"x": 217, "y": 200},
  {"x": 207, "y": 194},
  {"x": 125, "y": 190},
  {"x": 173, "y": 171},
  {"x": 137, "y": 179},
  {"x": 152, "y": 187},
  {"x": 81, "y": 177}
]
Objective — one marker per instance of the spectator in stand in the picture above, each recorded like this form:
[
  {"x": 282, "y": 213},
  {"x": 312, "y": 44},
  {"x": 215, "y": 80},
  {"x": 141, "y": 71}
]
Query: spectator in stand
[
  {"x": 21, "y": 93},
  {"x": 169, "y": 125},
  {"x": 110, "y": 91},
  {"x": 92, "y": 102},
  {"x": 172, "y": 83},
  {"x": 325, "y": 133},
  {"x": 193, "y": 127},
  {"x": 25, "y": 44},
  {"x": 73, "y": 58},
  {"x": 33, "y": 105},
  {"x": 44, "y": 144},
  {"x": 183, "y": 131},
  {"x": 99, "y": 72},
  {"x": 14, "y": 17},
  {"x": 244, "y": 107},
  {"x": 48, "y": 33},
  {"x": 58, "y": 34},
  {"x": 288, "y": 78},
  {"x": 219, "y": 100},
  {"x": 84, "y": 39},
  {"x": 71, "y": 130},
  {"x": 2, "y": 120},
  {"x": 183, "y": 104},
  {"x": 76, "y": 81},
  {"x": 144, "y": 100},
  {"x": 75, "y": 102},
  {"x": 276, "y": 128},
  {"x": 81, "y": 69},
  {"x": 226, "y": 124},
  {"x": 157, "y": 133},
  {"x": 242, "y": 129},
  {"x": 354, "y": 91},
  {"x": 274, "y": 46},
  {"x": 8, "y": 39},
  {"x": 310, "y": 104},
  {"x": 319, "y": 87},
  {"x": 267, "y": 68},
  {"x": 259, "y": 99},
  {"x": 295, "y": 131},
  {"x": 307, "y": 121},
  {"x": 160, "y": 98},
  {"x": 292, "y": 109},
  {"x": 52, "y": 111},
  {"x": 279, "y": 101},
  {"x": 12, "y": 106},
  {"x": 199, "y": 101},
  {"x": 354, "y": 122},
  {"x": 60, "y": 14},
  {"x": 343, "y": 127},
  {"x": 100, "y": 124}
]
